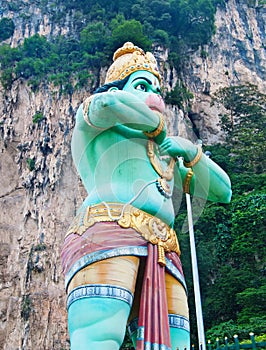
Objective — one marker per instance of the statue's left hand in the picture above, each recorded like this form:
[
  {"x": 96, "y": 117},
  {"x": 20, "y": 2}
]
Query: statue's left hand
[{"x": 211, "y": 183}]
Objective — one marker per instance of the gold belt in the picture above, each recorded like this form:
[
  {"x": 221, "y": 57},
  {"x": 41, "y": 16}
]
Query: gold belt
[{"x": 151, "y": 228}]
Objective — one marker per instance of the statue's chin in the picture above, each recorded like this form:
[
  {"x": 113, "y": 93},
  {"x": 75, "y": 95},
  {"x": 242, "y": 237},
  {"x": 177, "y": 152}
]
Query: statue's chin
[{"x": 155, "y": 103}]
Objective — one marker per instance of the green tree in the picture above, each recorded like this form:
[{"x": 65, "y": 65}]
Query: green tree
[
  {"x": 25, "y": 68},
  {"x": 179, "y": 96},
  {"x": 8, "y": 56},
  {"x": 253, "y": 303},
  {"x": 92, "y": 38},
  {"x": 192, "y": 21},
  {"x": 161, "y": 37},
  {"x": 248, "y": 232},
  {"x": 129, "y": 30},
  {"x": 7, "y": 28},
  {"x": 36, "y": 46},
  {"x": 245, "y": 126}
]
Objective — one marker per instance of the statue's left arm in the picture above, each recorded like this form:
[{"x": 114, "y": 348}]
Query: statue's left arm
[{"x": 209, "y": 180}]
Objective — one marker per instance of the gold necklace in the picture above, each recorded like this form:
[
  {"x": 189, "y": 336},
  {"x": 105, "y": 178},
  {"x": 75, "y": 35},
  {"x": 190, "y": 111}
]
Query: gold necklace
[{"x": 165, "y": 175}]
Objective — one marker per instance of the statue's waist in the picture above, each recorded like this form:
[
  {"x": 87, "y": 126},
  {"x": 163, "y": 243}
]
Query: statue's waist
[{"x": 150, "y": 227}]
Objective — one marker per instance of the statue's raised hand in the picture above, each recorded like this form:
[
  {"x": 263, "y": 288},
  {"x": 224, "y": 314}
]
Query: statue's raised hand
[{"x": 178, "y": 147}]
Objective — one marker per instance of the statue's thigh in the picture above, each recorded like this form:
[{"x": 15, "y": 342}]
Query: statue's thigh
[
  {"x": 101, "y": 298},
  {"x": 176, "y": 296},
  {"x": 119, "y": 271},
  {"x": 177, "y": 313}
]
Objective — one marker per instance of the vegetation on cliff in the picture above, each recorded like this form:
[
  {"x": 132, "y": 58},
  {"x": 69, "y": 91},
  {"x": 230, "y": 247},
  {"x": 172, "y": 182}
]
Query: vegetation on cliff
[
  {"x": 231, "y": 238},
  {"x": 100, "y": 28}
]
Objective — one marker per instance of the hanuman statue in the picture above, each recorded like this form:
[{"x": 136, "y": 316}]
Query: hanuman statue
[{"x": 121, "y": 255}]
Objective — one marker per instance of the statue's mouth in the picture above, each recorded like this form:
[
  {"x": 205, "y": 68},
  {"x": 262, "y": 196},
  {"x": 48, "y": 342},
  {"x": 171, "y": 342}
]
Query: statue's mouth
[
  {"x": 155, "y": 103},
  {"x": 155, "y": 108}
]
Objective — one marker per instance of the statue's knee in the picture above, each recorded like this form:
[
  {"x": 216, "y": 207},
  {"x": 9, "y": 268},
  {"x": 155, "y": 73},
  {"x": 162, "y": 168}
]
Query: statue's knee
[
  {"x": 93, "y": 303},
  {"x": 89, "y": 311},
  {"x": 98, "y": 319},
  {"x": 179, "y": 332}
]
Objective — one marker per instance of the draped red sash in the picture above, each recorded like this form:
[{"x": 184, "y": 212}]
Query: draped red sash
[{"x": 153, "y": 326}]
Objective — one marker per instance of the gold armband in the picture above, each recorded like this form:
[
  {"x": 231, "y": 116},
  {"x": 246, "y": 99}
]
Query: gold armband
[
  {"x": 158, "y": 130},
  {"x": 187, "y": 181},
  {"x": 195, "y": 160},
  {"x": 86, "y": 106}
]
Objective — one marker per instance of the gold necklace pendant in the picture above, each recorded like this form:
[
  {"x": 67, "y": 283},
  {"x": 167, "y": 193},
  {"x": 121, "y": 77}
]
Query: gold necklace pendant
[{"x": 165, "y": 175}]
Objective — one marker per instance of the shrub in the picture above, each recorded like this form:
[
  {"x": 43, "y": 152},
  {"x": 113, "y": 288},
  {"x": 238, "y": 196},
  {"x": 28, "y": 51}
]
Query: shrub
[
  {"x": 7, "y": 28},
  {"x": 37, "y": 117}
]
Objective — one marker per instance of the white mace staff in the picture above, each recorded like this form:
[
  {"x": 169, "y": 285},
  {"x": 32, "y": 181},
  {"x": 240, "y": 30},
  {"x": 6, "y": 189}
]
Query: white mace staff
[{"x": 195, "y": 273}]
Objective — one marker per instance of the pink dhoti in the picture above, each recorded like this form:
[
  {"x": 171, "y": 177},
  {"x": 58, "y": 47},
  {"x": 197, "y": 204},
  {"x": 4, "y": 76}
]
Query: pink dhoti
[{"x": 104, "y": 240}]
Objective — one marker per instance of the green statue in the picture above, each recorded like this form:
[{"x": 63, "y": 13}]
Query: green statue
[{"x": 121, "y": 255}]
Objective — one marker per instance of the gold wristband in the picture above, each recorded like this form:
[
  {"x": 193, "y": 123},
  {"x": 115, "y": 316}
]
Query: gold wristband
[
  {"x": 195, "y": 160},
  {"x": 187, "y": 180},
  {"x": 158, "y": 130},
  {"x": 86, "y": 106}
]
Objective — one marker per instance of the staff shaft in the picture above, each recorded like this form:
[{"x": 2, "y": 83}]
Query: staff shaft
[{"x": 195, "y": 274}]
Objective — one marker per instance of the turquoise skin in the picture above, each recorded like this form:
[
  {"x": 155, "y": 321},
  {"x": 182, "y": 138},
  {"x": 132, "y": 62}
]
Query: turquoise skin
[
  {"x": 112, "y": 160},
  {"x": 111, "y": 157}
]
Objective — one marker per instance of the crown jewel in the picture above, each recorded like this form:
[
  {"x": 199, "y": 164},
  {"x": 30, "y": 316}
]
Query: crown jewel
[{"x": 129, "y": 59}]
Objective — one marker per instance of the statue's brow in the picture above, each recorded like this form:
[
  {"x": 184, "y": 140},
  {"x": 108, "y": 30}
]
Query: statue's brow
[{"x": 143, "y": 78}]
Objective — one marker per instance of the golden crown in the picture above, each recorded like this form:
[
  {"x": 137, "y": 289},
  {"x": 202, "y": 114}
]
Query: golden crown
[{"x": 129, "y": 59}]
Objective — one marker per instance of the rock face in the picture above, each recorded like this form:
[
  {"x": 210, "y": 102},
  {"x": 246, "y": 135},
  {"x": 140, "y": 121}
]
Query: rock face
[
  {"x": 37, "y": 204},
  {"x": 39, "y": 188},
  {"x": 236, "y": 55}
]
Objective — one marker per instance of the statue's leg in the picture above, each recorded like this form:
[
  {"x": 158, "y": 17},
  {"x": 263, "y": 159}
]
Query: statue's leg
[
  {"x": 101, "y": 296},
  {"x": 133, "y": 318},
  {"x": 180, "y": 337},
  {"x": 177, "y": 313},
  {"x": 97, "y": 323}
]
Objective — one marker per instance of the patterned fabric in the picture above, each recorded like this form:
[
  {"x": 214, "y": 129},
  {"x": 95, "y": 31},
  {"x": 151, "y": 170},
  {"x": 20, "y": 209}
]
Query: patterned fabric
[
  {"x": 106, "y": 240},
  {"x": 175, "y": 321},
  {"x": 95, "y": 290}
]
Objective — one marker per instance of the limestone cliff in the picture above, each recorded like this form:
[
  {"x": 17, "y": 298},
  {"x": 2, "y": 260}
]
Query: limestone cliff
[
  {"x": 39, "y": 188},
  {"x": 236, "y": 55},
  {"x": 38, "y": 202}
]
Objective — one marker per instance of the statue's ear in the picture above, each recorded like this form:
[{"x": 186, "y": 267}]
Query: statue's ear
[{"x": 113, "y": 88}]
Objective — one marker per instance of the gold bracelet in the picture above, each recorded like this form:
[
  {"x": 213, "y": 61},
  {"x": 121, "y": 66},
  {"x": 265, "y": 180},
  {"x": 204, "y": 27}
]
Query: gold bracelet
[
  {"x": 158, "y": 130},
  {"x": 187, "y": 180},
  {"x": 195, "y": 160},
  {"x": 86, "y": 106}
]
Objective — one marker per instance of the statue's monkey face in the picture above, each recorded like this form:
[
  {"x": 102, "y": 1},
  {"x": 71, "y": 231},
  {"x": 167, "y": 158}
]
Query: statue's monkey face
[{"x": 146, "y": 87}]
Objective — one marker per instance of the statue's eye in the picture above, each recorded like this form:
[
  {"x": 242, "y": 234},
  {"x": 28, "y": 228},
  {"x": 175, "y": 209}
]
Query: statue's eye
[{"x": 141, "y": 87}]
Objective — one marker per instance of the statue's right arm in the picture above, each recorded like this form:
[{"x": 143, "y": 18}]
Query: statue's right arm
[{"x": 112, "y": 108}]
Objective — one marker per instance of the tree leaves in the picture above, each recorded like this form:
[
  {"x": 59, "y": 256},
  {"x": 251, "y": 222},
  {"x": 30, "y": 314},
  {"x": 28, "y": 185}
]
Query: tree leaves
[
  {"x": 245, "y": 126},
  {"x": 7, "y": 28}
]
